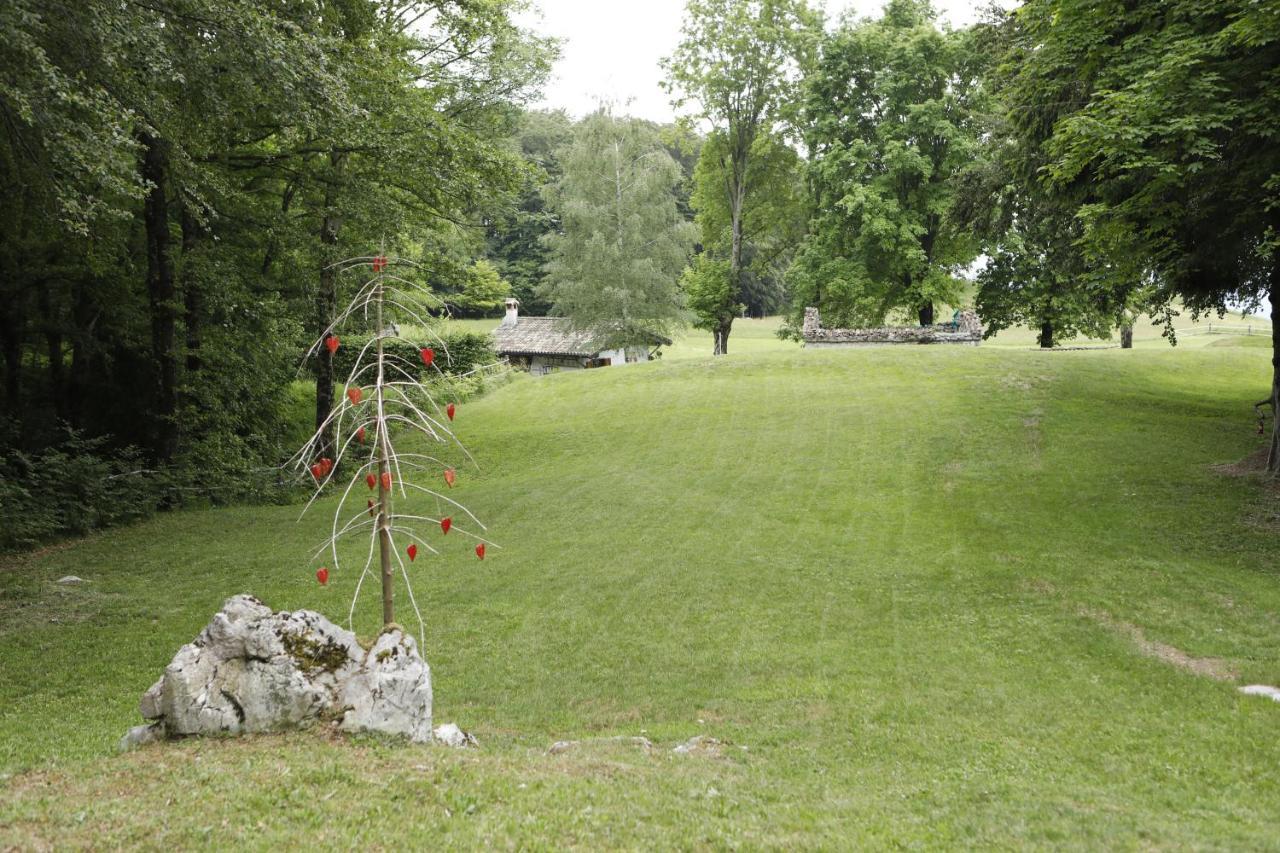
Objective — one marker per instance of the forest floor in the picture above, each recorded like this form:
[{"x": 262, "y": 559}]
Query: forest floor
[{"x": 923, "y": 596}]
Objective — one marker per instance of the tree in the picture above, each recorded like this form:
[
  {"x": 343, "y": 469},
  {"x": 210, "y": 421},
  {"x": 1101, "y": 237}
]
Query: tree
[
  {"x": 483, "y": 290},
  {"x": 892, "y": 111},
  {"x": 737, "y": 68},
  {"x": 1036, "y": 276},
  {"x": 771, "y": 225},
  {"x": 382, "y": 392},
  {"x": 622, "y": 243},
  {"x": 513, "y": 236},
  {"x": 437, "y": 91},
  {"x": 179, "y": 176},
  {"x": 1159, "y": 120}
]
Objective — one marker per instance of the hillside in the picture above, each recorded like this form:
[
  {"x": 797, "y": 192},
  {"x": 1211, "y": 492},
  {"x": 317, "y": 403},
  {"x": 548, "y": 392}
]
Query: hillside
[{"x": 931, "y": 596}]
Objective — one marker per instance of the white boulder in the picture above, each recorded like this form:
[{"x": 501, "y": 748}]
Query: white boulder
[{"x": 252, "y": 670}]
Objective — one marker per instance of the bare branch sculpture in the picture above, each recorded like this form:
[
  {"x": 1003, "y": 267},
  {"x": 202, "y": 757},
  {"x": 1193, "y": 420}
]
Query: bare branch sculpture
[{"x": 384, "y": 395}]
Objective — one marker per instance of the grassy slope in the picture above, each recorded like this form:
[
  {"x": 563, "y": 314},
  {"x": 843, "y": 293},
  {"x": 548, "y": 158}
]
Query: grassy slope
[{"x": 903, "y": 579}]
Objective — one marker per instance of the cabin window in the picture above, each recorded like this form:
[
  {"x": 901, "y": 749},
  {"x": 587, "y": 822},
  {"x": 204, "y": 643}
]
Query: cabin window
[{"x": 598, "y": 362}]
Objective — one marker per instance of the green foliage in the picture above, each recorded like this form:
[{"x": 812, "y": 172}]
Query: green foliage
[
  {"x": 773, "y": 217},
  {"x": 456, "y": 351},
  {"x": 483, "y": 291},
  {"x": 514, "y": 236},
  {"x": 891, "y": 112},
  {"x": 180, "y": 176},
  {"x": 1159, "y": 119},
  {"x": 709, "y": 292},
  {"x": 622, "y": 243},
  {"x": 1036, "y": 277},
  {"x": 72, "y": 488}
]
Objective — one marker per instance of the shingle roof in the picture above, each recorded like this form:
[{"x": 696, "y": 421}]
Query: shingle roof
[{"x": 543, "y": 336}]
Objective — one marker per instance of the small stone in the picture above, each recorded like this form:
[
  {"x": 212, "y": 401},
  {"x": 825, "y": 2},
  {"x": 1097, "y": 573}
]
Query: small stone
[
  {"x": 1270, "y": 692},
  {"x": 70, "y": 579},
  {"x": 561, "y": 746},
  {"x": 450, "y": 735},
  {"x": 701, "y": 745},
  {"x": 141, "y": 735}
]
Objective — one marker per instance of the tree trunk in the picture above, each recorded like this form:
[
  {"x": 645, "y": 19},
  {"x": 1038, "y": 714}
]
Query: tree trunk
[
  {"x": 1126, "y": 336},
  {"x": 53, "y": 344},
  {"x": 11, "y": 342},
  {"x": 161, "y": 293},
  {"x": 1273, "y": 458},
  {"x": 926, "y": 314},
  {"x": 273, "y": 242},
  {"x": 720, "y": 336},
  {"x": 737, "y": 200},
  {"x": 326, "y": 304},
  {"x": 82, "y": 322},
  {"x": 192, "y": 297},
  {"x": 1046, "y": 335}
]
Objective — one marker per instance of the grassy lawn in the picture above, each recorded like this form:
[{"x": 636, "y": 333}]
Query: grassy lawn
[{"x": 927, "y": 596}]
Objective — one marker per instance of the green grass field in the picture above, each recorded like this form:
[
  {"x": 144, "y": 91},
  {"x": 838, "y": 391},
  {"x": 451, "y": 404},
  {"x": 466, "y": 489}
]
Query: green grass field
[{"x": 928, "y": 597}]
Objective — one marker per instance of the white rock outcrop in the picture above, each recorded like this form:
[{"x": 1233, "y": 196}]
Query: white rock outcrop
[
  {"x": 253, "y": 670},
  {"x": 1262, "y": 690}
]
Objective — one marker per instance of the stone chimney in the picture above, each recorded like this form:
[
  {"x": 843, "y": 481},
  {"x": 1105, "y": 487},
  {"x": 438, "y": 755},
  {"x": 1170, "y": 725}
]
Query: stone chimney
[{"x": 513, "y": 312}]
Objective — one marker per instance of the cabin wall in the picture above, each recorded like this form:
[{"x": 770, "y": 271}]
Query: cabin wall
[{"x": 542, "y": 364}]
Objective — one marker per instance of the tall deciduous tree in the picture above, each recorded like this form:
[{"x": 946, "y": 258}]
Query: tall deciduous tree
[
  {"x": 1160, "y": 119},
  {"x": 771, "y": 225},
  {"x": 617, "y": 259},
  {"x": 737, "y": 69},
  {"x": 892, "y": 111}
]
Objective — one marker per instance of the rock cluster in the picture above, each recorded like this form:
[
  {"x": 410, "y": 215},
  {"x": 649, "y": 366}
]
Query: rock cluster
[
  {"x": 967, "y": 330},
  {"x": 253, "y": 670}
]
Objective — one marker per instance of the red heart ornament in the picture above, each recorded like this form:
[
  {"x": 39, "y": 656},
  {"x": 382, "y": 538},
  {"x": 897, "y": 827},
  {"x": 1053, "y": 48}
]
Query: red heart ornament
[
  {"x": 449, "y": 410},
  {"x": 379, "y": 263},
  {"x": 331, "y": 344},
  {"x": 317, "y": 471},
  {"x": 428, "y": 355},
  {"x": 371, "y": 480},
  {"x": 480, "y": 550},
  {"x": 412, "y": 551},
  {"x": 449, "y": 476},
  {"x": 322, "y": 575},
  {"x": 371, "y": 512},
  {"x": 445, "y": 524},
  {"x": 360, "y": 435},
  {"x": 386, "y": 481},
  {"x": 355, "y": 395},
  {"x": 326, "y": 465}
]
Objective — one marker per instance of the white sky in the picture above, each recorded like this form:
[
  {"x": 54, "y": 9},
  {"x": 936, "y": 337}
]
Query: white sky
[{"x": 611, "y": 48}]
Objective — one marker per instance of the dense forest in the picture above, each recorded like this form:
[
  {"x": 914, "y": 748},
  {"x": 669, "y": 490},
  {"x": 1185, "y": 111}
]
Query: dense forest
[{"x": 180, "y": 177}]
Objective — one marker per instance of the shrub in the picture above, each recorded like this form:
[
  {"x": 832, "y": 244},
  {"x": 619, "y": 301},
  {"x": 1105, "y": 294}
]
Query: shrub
[
  {"x": 72, "y": 488},
  {"x": 461, "y": 352}
]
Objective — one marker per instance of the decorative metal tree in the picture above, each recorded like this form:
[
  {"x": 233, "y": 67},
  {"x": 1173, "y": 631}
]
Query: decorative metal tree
[{"x": 384, "y": 395}]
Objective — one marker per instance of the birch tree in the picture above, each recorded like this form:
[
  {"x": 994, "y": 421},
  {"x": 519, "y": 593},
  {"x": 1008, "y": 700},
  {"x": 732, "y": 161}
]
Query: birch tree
[{"x": 616, "y": 261}]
